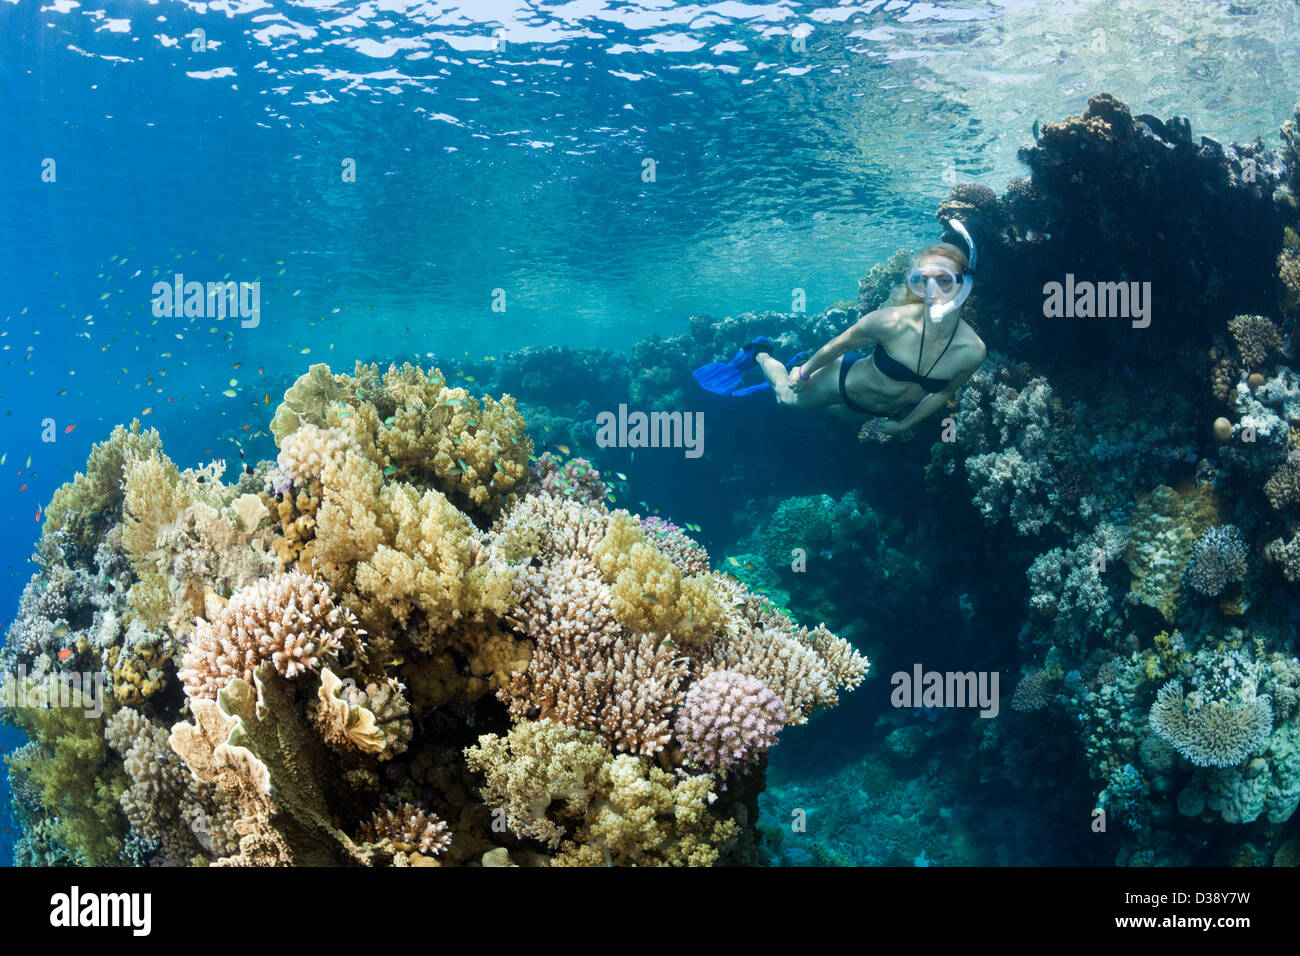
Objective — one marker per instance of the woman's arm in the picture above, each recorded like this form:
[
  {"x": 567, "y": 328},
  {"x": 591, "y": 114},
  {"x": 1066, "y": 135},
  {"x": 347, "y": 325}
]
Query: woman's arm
[{"x": 859, "y": 335}]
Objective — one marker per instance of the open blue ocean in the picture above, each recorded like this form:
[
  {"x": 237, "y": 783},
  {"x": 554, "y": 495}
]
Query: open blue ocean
[{"x": 997, "y": 566}]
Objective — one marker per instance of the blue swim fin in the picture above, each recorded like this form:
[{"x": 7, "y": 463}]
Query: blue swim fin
[{"x": 723, "y": 378}]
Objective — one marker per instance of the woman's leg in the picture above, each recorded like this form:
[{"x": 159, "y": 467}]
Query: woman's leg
[{"x": 822, "y": 390}]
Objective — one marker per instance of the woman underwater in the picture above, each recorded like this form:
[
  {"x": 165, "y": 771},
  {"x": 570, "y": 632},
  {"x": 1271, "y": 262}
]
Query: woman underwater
[{"x": 923, "y": 352}]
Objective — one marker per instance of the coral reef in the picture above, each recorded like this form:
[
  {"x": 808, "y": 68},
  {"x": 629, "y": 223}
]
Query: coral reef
[{"x": 300, "y": 652}]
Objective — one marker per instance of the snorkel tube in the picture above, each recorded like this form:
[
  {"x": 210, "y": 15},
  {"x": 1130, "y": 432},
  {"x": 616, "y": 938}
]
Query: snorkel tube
[{"x": 939, "y": 312}]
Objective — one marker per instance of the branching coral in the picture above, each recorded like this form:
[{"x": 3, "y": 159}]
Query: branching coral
[
  {"x": 70, "y": 774},
  {"x": 159, "y": 795},
  {"x": 1283, "y": 488},
  {"x": 1034, "y": 691},
  {"x": 409, "y": 421},
  {"x": 85, "y": 507},
  {"x": 1218, "y": 558},
  {"x": 289, "y": 620},
  {"x": 1257, "y": 339},
  {"x": 576, "y": 478},
  {"x": 1017, "y": 479},
  {"x": 586, "y": 672},
  {"x": 398, "y": 551},
  {"x": 300, "y": 606},
  {"x": 728, "y": 721},
  {"x": 666, "y": 537},
  {"x": 409, "y": 828},
  {"x": 645, "y": 817}
]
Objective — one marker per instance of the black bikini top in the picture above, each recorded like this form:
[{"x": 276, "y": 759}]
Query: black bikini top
[{"x": 890, "y": 367}]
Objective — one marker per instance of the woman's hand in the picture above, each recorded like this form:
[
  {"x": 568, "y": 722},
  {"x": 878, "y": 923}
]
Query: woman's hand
[
  {"x": 882, "y": 430},
  {"x": 796, "y": 379}
]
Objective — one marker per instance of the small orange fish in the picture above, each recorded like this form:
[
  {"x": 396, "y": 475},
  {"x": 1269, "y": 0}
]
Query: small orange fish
[
  {"x": 266, "y": 399},
  {"x": 69, "y": 430},
  {"x": 246, "y": 427},
  {"x": 23, "y": 488},
  {"x": 65, "y": 654},
  {"x": 38, "y": 514}
]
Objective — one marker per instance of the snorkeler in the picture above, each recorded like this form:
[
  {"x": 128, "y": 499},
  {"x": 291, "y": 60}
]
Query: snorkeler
[{"x": 923, "y": 352}]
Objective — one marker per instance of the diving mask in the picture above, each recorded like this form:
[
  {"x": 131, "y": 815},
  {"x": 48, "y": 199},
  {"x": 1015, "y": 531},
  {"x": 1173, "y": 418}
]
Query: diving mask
[{"x": 935, "y": 281}]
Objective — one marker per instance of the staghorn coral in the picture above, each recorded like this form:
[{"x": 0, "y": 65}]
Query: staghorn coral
[
  {"x": 289, "y": 620},
  {"x": 409, "y": 828},
  {"x": 728, "y": 721},
  {"x": 1210, "y": 732}
]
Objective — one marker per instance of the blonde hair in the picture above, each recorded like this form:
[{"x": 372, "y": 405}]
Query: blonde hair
[{"x": 905, "y": 296}]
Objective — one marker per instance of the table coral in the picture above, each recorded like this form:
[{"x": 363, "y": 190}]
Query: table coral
[{"x": 1210, "y": 732}]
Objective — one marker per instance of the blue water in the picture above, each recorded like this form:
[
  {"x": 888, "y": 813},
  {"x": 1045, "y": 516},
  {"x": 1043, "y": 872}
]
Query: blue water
[{"x": 503, "y": 145}]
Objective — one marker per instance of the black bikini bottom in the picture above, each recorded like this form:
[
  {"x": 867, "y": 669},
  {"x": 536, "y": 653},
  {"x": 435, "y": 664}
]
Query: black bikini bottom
[{"x": 846, "y": 363}]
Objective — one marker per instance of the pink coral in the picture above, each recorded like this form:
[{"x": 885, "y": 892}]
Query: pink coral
[
  {"x": 728, "y": 720},
  {"x": 289, "y": 619}
]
